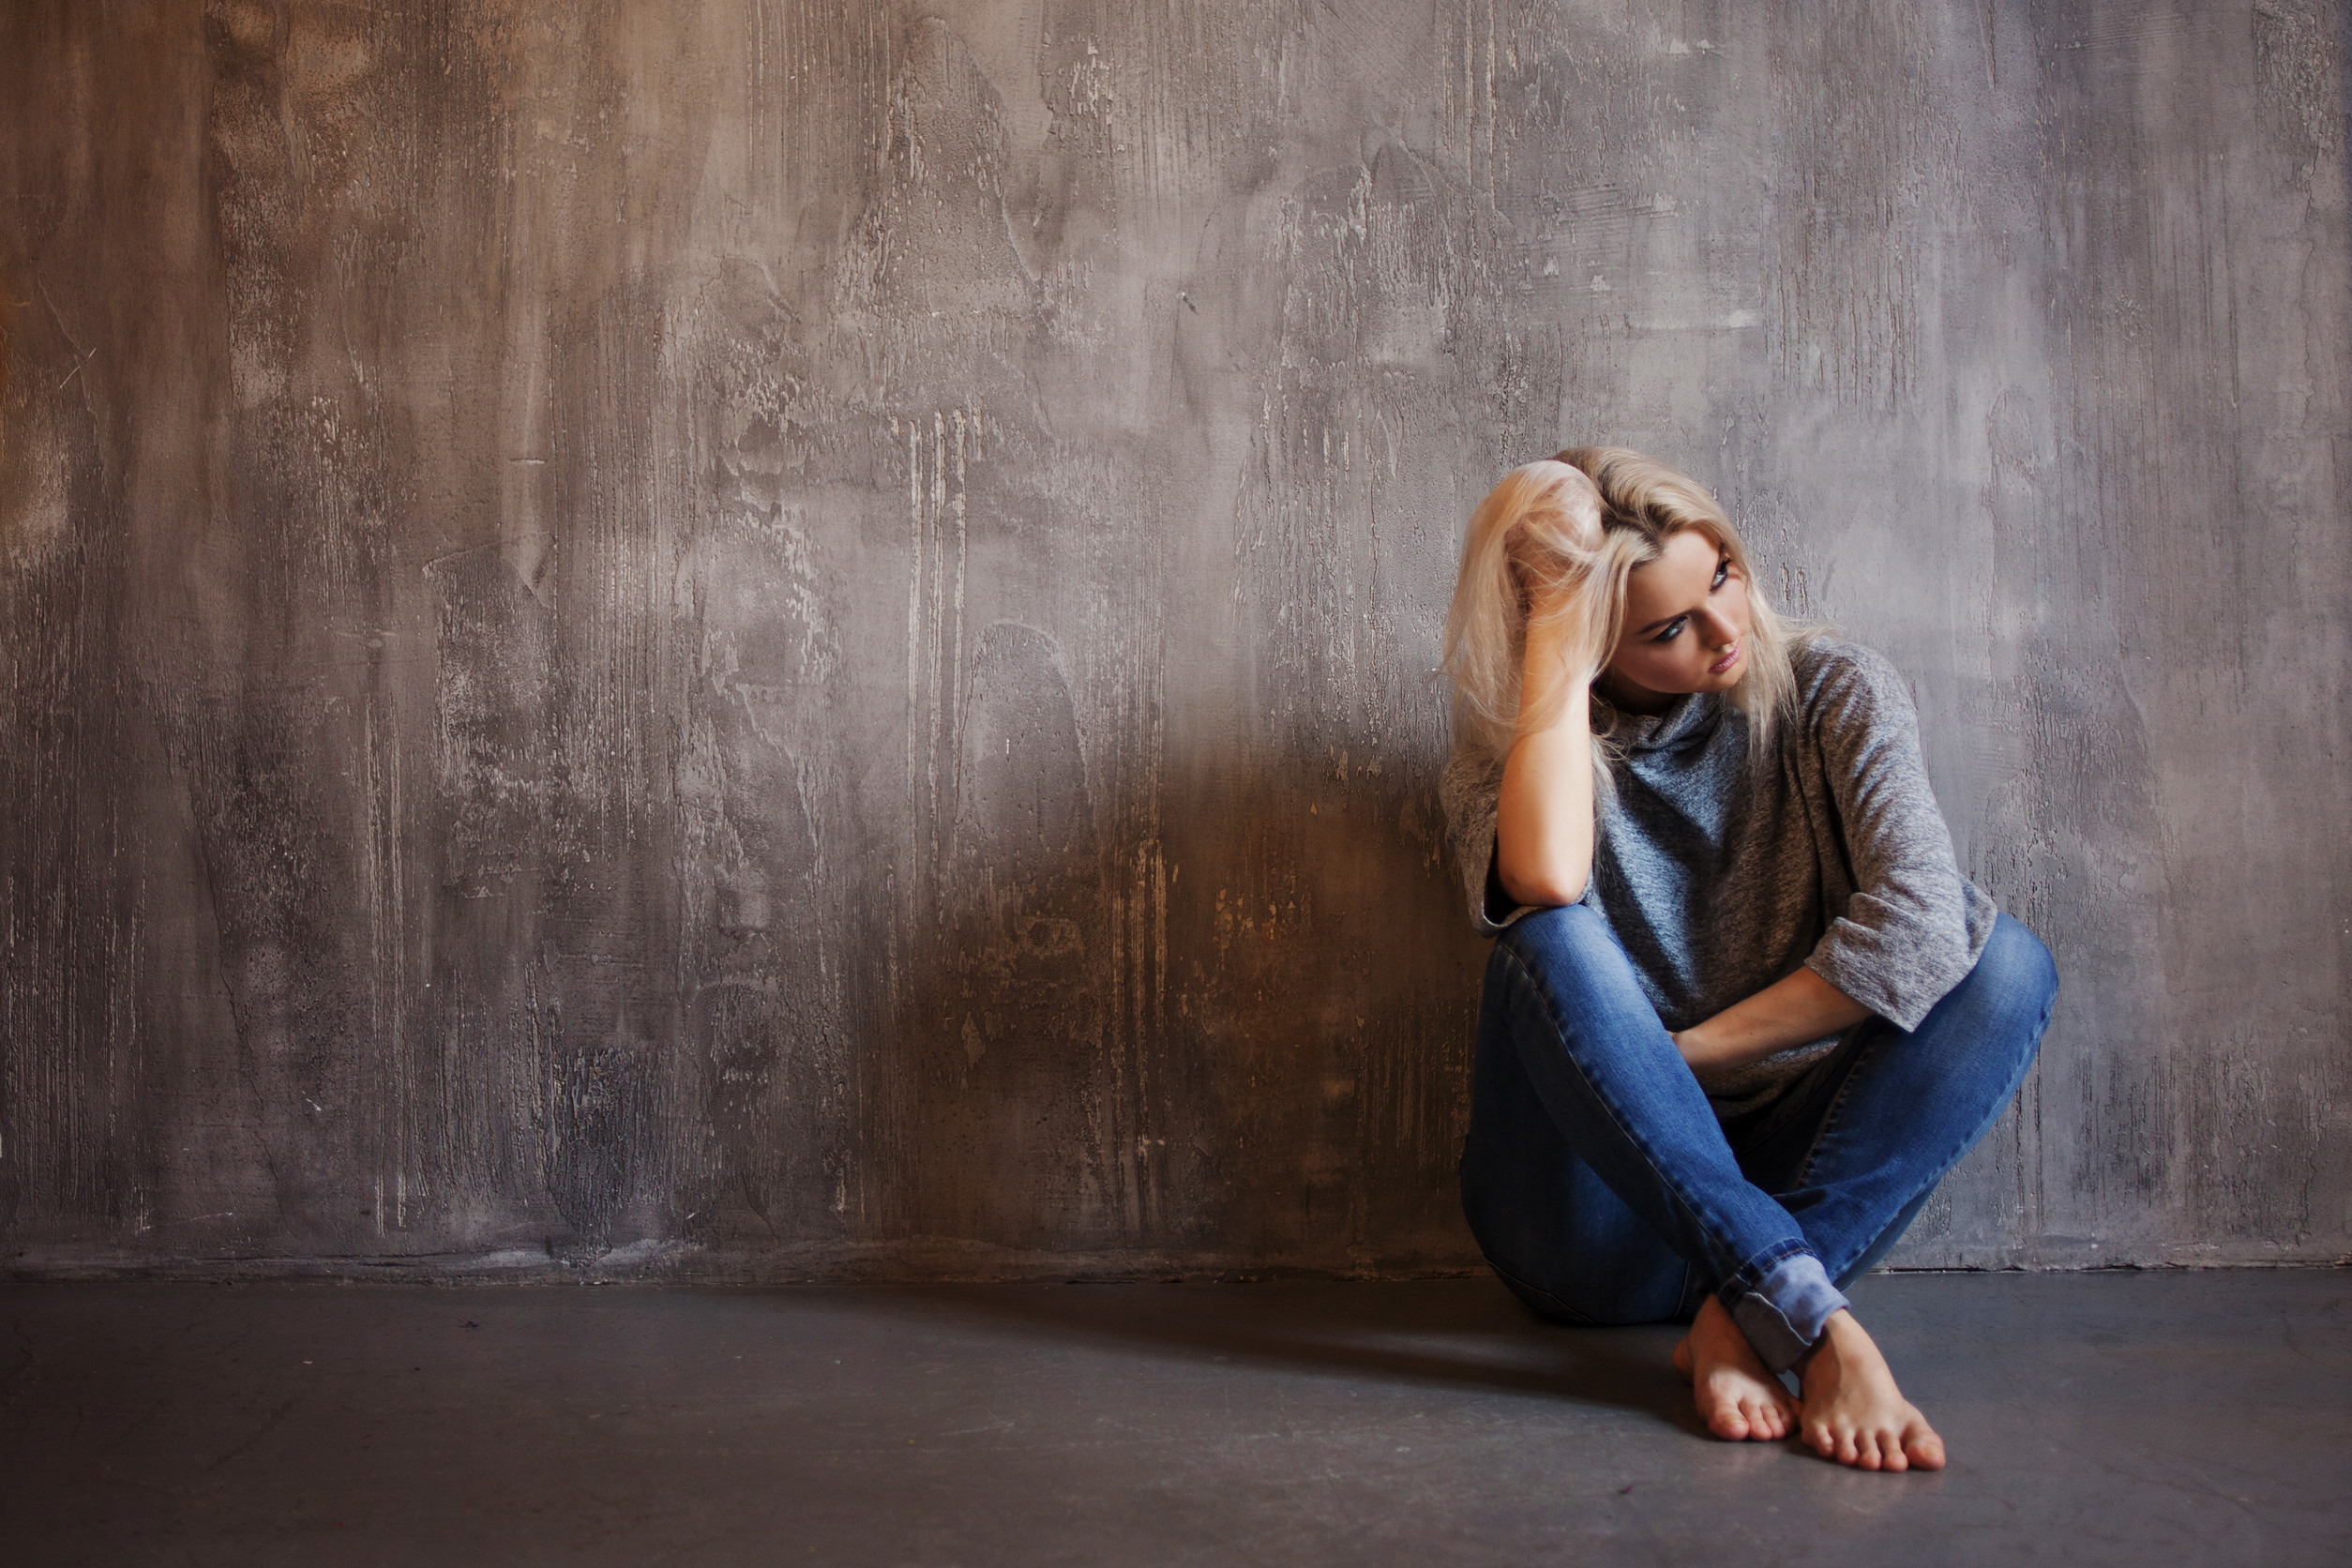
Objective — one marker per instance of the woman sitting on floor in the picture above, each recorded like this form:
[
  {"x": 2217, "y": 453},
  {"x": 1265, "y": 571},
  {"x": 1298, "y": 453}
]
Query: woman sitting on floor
[{"x": 1744, "y": 1011}]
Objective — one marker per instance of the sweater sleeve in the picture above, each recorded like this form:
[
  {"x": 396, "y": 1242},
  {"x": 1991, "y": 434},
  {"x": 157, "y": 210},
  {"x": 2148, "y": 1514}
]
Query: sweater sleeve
[
  {"x": 1903, "y": 938},
  {"x": 1468, "y": 791}
]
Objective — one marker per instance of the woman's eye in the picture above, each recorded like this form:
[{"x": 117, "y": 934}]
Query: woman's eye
[
  {"x": 1669, "y": 635},
  {"x": 1723, "y": 574}
]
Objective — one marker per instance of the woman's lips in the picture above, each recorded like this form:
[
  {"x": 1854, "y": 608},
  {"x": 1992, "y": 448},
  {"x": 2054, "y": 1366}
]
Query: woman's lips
[{"x": 1730, "y": 658}]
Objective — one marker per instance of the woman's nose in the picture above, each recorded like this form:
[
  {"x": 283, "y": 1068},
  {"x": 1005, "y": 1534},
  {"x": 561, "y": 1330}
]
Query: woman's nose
[{"x": 1715, "y": 628}]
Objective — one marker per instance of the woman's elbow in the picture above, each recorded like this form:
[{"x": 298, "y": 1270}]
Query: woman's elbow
[{"x": 1543, "y": 886}]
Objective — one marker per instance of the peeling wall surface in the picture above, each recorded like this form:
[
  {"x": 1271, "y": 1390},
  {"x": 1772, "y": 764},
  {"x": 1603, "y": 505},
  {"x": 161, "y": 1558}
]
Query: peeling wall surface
[{"x": 773, "y": 639}]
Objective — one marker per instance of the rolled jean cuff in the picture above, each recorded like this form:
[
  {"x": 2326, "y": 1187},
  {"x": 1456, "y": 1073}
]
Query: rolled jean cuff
[{"x": 1784, "y": 1313}]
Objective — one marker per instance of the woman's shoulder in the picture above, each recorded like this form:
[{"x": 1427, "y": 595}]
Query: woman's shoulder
[{"x": 1840, "y": 680}]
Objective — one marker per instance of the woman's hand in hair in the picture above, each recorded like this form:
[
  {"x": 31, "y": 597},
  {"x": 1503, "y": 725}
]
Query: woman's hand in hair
[{"x": 1571, "y": 619}]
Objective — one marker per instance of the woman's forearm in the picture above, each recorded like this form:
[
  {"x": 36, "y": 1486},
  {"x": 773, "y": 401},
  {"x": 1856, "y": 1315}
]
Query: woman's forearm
[
  {"x": 1787, "y": 1012},
  {"x": 1544, "y": 812}
]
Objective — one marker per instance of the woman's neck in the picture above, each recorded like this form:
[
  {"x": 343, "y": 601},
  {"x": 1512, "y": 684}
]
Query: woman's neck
[{"x": 1628, "y": 697}]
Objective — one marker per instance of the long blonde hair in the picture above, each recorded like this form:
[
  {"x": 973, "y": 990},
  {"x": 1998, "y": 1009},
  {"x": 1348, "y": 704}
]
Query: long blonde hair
[{"x": 1583, "y": 521}]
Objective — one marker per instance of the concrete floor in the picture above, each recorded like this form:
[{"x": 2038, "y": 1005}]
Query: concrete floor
[{"x": 2123, "y": 1418}]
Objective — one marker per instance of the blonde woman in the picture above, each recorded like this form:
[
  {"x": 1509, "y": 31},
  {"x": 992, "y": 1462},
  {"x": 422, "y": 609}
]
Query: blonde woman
[{"x": 1742, "y": 1011}]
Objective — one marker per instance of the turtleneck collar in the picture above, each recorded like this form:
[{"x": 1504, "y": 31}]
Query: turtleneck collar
[{"x": 1691, "y": 718}]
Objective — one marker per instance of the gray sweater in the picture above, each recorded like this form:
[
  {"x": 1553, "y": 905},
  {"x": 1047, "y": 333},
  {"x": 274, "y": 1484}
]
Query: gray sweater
[{"x": 1719, "y": 879}]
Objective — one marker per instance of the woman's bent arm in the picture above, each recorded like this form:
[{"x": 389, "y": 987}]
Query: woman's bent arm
[
  {"x": 1544, "y": 812},
  {"x": 1787, "y": 1012}
]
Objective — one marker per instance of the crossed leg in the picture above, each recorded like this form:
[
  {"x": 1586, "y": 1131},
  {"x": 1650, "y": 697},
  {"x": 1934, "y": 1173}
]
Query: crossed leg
[
  {"x": 1566, "y": 1062},
  {"x": 1867, "y": 1144}
]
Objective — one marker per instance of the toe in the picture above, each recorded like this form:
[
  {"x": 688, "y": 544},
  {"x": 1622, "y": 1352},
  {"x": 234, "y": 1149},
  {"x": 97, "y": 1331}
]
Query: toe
[
  {"x": 1849, "y": 1452},
  {"x": 1924, "y": 1449},
  {"x": 1721, "y": 1413},
  {"x": 1891, "y": 1456}
]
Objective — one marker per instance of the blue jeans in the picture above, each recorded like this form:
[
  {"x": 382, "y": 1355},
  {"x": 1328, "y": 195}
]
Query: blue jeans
[{"x": 1603, "y": 1189}]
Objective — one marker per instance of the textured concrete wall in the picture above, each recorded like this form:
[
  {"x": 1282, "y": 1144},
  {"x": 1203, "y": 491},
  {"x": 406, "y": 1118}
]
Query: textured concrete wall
[{"x": 739, "y": 638}]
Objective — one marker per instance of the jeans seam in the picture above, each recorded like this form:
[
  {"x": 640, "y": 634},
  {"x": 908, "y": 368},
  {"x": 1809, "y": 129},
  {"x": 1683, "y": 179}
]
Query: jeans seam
[
  {"x": 1709, "y": 1223},
  {"x": 1837, "y": 1105}
]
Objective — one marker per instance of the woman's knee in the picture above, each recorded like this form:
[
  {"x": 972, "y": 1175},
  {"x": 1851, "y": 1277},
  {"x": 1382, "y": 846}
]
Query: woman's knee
[
  {"x": 2005, "y": 1002},
  {"x": 2016, "y": 964},
  {"x": 1564, "y": 938}
]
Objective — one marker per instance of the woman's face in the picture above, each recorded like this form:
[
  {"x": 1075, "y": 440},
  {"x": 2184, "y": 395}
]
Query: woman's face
[{"x": 1686, "y": 626}]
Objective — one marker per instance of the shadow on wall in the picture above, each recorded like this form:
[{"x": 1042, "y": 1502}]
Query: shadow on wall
[
  {"x": 983, "y": 973},
  {"x": 1088, "y": 1023},
  {"x": 1219, "y": 1023}
]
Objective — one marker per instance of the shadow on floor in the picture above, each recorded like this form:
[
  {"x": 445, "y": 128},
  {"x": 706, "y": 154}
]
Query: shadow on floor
[{"x": 1433, "y": 1333}]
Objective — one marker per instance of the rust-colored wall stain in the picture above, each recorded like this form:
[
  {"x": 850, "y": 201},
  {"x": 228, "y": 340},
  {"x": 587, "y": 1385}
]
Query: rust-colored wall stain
[{"x": 772, "y": 640}]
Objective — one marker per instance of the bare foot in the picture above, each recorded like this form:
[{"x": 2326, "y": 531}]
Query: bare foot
[
  {"x": 1854, "y": 1413},
  {"x": 1737, "y": 1398}
]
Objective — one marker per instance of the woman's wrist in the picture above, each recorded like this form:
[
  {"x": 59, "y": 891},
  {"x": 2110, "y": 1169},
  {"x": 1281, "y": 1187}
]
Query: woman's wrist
[
  {"x": 1695, "y": 1044},
  {"x": 1549, "y": 633},
  {"x": 1798, "y": 1008}
]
